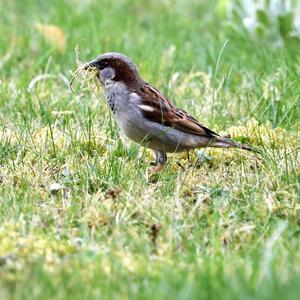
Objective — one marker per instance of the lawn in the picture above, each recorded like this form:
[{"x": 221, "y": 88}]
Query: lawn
[{"x": 81, "y": 214}]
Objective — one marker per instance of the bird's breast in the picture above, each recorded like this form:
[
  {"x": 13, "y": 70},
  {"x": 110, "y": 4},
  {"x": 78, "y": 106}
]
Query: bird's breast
[
  {"x": 116, "y": 95},
  {"x": 118, "y": 100},
  {"x": 124, "y": 105}
]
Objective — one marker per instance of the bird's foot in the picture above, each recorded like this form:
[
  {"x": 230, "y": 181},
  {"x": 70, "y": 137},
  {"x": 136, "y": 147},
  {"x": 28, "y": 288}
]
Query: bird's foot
[
  {"x": 155, "y": 169},
  {"x": 154, "y": 173},
  {"x": 160, "y": 160},
  {"x": 158, "y": 168}
]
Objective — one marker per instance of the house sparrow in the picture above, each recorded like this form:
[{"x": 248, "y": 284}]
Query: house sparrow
[{"x": 146, "y": 116}]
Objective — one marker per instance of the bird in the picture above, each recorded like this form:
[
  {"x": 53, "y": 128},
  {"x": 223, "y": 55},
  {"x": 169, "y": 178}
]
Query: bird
[{"x": 147, "y": 116}]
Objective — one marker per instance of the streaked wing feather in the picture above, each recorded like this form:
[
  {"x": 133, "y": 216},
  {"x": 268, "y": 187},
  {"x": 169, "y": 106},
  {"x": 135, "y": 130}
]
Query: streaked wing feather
[{"x": 165, "y": 113}]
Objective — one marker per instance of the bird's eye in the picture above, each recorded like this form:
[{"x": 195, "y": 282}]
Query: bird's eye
[{"x": 103, "y": 64}]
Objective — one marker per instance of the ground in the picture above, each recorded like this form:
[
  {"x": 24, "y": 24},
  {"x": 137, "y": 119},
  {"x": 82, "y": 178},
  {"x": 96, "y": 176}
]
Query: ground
[{"x": 81, "y": 215}]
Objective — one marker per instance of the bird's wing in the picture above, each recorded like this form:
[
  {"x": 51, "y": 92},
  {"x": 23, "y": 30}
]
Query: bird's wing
[{"x": 158, "y": 108}]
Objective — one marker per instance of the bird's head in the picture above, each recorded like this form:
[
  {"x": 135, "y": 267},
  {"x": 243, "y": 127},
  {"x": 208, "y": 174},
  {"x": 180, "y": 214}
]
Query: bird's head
[{"x": 115, "y": 67}]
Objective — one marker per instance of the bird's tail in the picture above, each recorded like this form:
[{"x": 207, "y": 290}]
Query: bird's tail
[{"x": 222, "y": 142}]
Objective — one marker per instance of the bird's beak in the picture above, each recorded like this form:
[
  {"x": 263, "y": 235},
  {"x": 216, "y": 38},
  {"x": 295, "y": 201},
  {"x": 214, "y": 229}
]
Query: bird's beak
[{"x": 91, "y": 64}]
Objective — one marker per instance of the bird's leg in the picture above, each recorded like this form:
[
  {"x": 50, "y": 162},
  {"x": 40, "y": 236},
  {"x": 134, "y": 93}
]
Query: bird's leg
[{"x": 160, "y": 160}]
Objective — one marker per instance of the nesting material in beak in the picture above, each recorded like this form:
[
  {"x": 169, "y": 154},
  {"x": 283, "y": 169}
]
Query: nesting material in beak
[{"x": 87, "y": 71}]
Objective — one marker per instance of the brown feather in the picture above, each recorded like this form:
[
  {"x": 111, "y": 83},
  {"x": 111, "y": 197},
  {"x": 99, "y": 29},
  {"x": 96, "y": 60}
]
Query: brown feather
[{"x": 167, "y": 114}]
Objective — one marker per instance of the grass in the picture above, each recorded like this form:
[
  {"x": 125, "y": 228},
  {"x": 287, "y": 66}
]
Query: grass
[{"x": 223, "y": 228}]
